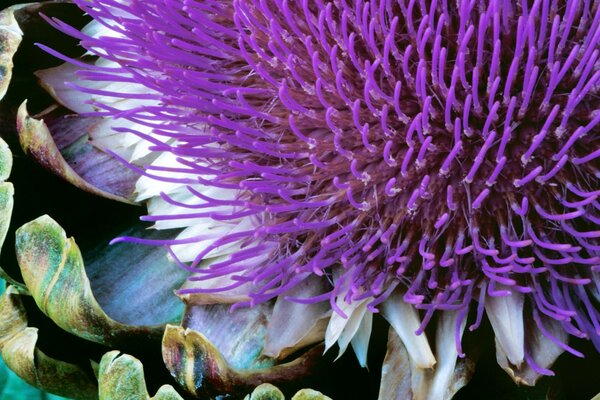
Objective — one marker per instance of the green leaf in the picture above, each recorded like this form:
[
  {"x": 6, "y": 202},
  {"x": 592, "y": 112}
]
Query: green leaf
[
  {"x": 12, "y": 387},
  {"x": 53, "y": 270},
  {"x": 10, "y": 38},
  {"x": 6, "y": 204},
  {"x": 20, "y": 353},
  {"x": 266, "y": 391},
  {"x": 310, "y": 394},
  {"x": 121, "y": 377}
]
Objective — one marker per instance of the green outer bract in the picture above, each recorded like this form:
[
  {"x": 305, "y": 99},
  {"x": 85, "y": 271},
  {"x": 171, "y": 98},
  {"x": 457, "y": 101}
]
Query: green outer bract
[
  {"x": 10, "y": 38},
  {"x": 53, "y": 270},
  {"x": 121, "y": 376},
  {"x": 266, "y": 391},
  {"x": 19, "y": 351},
  {"x": 37, "y": 141},
  {"x": 310, "y": 394}
]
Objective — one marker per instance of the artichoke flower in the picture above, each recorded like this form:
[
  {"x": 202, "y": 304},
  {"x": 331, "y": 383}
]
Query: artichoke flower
[{"x": 309, "y": 167}]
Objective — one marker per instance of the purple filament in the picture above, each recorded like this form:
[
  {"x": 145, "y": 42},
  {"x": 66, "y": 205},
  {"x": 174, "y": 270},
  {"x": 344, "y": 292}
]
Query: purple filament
[{"x": 447, "y": 148}]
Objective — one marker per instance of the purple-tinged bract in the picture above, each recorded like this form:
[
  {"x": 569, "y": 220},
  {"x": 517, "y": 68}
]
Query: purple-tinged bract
[{"x": 446, "y": 149}]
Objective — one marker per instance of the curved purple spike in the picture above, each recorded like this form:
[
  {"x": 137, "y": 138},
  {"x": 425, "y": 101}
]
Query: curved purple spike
[{"x": 356, "y": 141}]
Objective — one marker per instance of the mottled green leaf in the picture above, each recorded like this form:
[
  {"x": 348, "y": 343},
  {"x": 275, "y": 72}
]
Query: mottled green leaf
[
  {"x": 5, "y": 160},
  {"x": 10, "y": 38},
  {"x": 19, "y": 352},
  {"x": 53, "y": 270},
  {"x": 310, "y": 394},
  {"x": 6, "y": 203},
  {"x": 121, "y": 377},
  {"x": 266, "y": 391},
  {"x": 6, "y": 206}
]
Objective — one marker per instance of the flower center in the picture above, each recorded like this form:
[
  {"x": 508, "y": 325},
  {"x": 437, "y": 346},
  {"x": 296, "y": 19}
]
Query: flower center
[{"x": 436, "y": 145}]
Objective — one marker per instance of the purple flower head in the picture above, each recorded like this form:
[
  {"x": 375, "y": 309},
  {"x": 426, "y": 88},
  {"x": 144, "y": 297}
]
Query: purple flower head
[{"x": 438, "y": 153}]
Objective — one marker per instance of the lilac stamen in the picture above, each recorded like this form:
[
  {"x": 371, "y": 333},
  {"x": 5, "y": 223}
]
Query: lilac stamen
[{"x": 353, "y": 141}]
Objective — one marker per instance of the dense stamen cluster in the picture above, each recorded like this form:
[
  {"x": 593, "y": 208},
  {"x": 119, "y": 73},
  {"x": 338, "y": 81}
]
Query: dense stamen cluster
[{"x": 445, "y": 148}]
